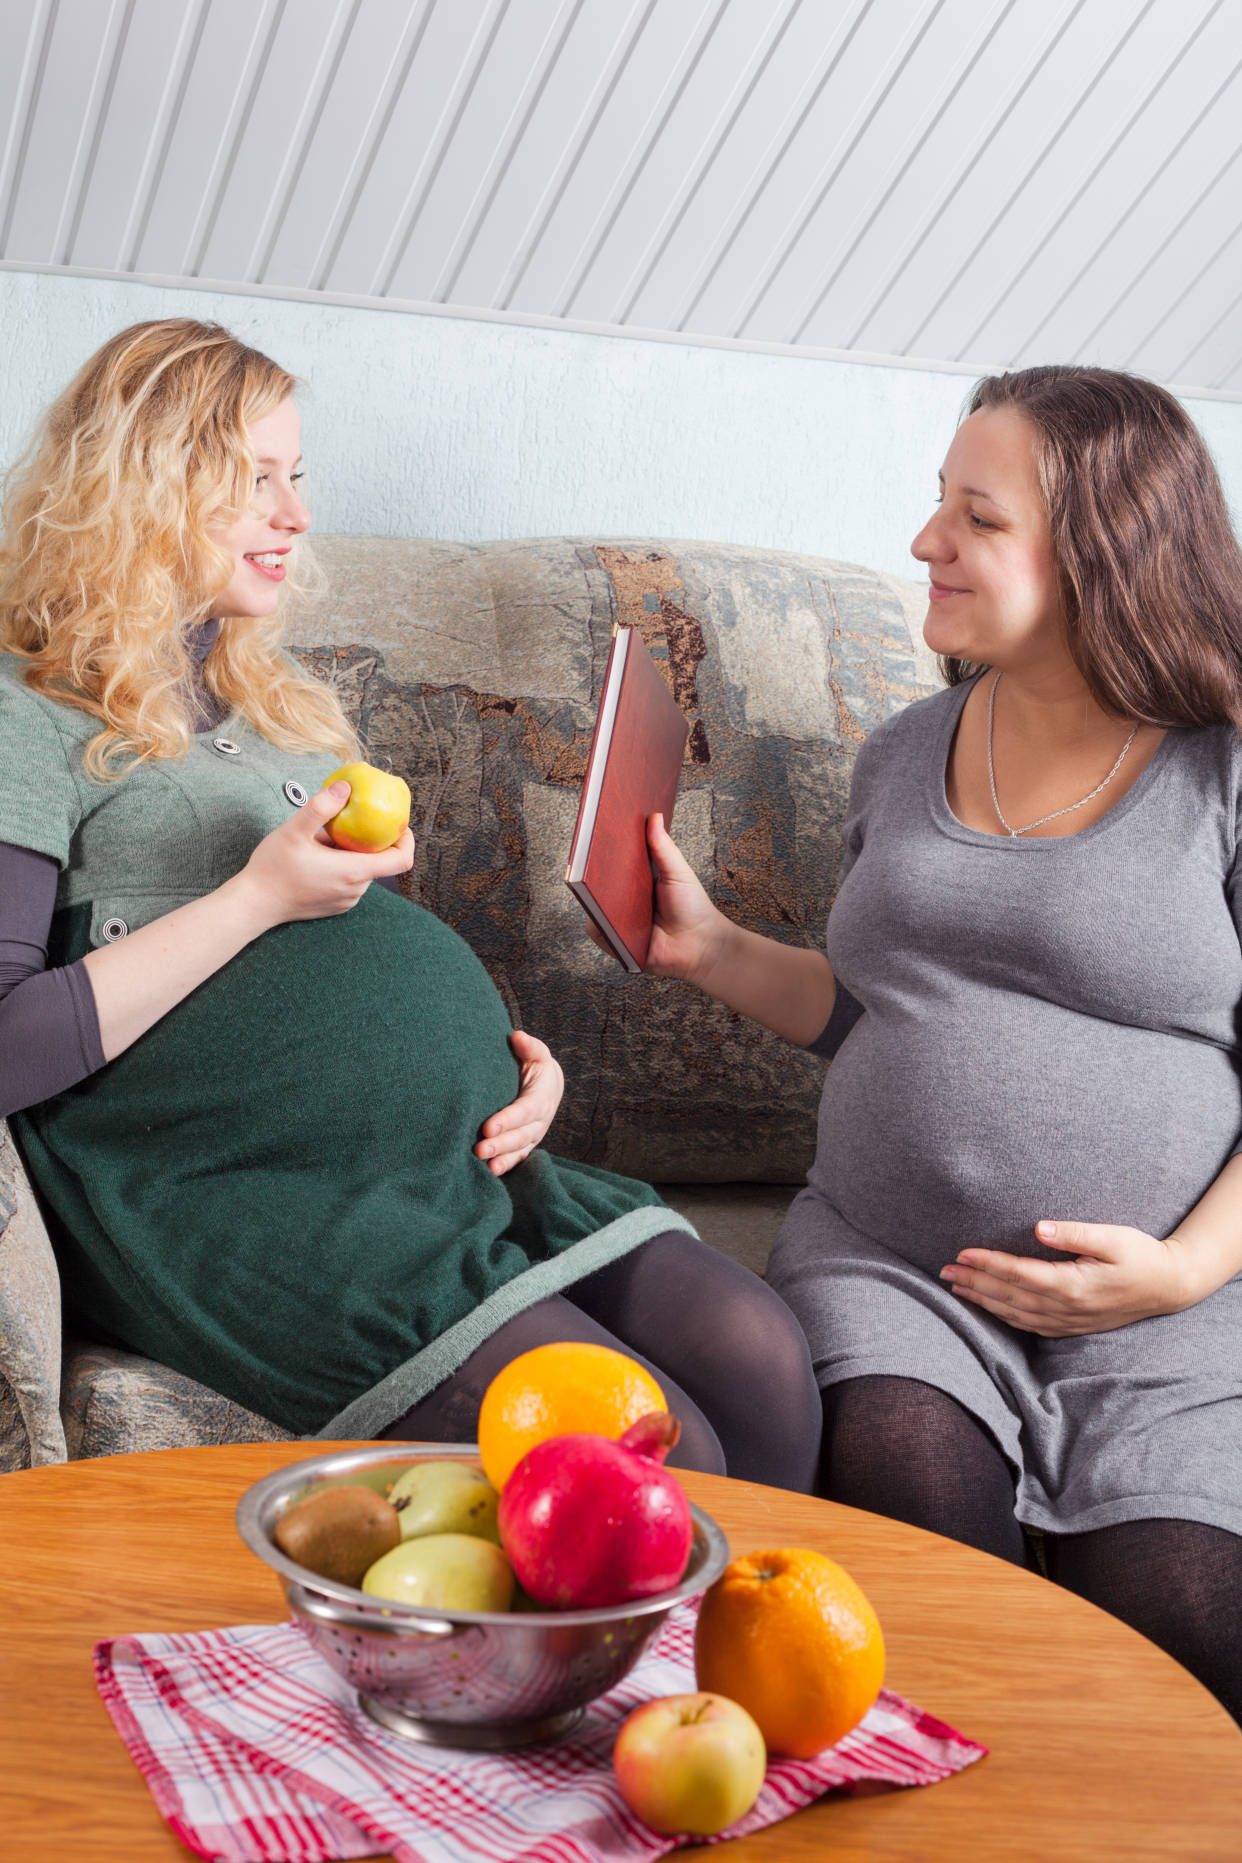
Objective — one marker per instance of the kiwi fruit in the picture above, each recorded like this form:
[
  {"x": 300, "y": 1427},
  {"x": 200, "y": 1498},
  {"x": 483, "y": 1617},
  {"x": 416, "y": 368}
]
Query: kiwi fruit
[{"x": 339, "y": 1532}]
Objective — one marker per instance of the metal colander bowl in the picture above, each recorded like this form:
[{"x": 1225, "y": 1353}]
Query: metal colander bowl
[{"x": 458, "y": 1678}]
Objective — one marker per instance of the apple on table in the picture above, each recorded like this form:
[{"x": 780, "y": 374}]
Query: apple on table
[{"x": 689, "y": 1765}]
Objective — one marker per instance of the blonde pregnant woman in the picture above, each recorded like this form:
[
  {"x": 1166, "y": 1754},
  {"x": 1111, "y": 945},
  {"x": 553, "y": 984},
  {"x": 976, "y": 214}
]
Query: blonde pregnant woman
[
  {"x": 1017, "y": 1258},
  {"x": 287, "y": 1138}
]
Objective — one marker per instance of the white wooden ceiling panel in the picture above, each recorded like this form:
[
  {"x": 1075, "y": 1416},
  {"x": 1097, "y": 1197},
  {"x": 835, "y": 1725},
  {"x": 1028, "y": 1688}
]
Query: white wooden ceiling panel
[
  {"x": 509, "y": 79},
  {"x": 541, "y": 158},
  {"x": 68, "y": 85},
  {"x": 121, "y": 169},
  {"x": 1062, "y": 58},
  {"x": 966, "y": 181},
  {"x": 1215, "y": 289},
  {"x": 866, "y": 270},
  {"x": 1161, "y": 292},
  {"x": 1101, "y": 162},
  {"x": 1217, "y": 360},
  {"x": 706, "y": 98},
  {"x": 866, "y": 57},
  {"x": 374, "y": 39},
  {"x": 292, "y": 64},
  {"x": 207, "y": 112},
  {"x": 793, "y": 45},
  {"x": 20, "y": 71},
  {"x": 658, "y": 57},
  {"x": 446, "y": 51},
  {"x": 1006, "y": 273},
  {"x": 883, "y": 158},
  {"x": 1132, "y": 261}
]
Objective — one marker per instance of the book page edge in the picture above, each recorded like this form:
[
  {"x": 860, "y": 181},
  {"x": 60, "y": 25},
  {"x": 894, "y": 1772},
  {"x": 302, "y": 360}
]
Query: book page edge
[
  {"x": 600, "y": 746},
  {"x": 621, "y": 950}
]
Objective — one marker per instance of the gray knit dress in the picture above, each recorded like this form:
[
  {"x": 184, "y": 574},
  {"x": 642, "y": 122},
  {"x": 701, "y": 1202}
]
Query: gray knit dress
[{"x": 1033, "y": 1028}]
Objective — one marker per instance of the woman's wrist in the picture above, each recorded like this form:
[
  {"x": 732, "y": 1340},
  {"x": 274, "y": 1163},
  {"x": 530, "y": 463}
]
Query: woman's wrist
[
  {"x": 250, "y": 907},
  {"x": 718, "y": 955},
  {"x": 1201, "y": 1260},
  {"x": 784, "y": 987}
]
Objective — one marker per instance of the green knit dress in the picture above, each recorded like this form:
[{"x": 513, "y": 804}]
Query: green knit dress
[{"x": 273, "y": 1190}]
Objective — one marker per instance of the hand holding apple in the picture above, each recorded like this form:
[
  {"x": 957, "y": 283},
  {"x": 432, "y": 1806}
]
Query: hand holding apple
[
  {"x": 296, "y": 872},
  {"x": 377, "y": 810},
  {"x": 689, "y": 1764}
]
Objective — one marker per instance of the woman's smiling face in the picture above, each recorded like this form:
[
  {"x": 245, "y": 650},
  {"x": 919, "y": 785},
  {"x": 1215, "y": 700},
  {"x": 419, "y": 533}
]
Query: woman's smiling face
[
  {"x": 259, "y": 542},
  {"x": 988, "y": 548}
]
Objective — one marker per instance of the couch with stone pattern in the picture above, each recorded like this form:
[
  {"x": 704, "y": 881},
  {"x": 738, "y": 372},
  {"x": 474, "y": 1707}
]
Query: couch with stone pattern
[{"x": 474, "y": 670}]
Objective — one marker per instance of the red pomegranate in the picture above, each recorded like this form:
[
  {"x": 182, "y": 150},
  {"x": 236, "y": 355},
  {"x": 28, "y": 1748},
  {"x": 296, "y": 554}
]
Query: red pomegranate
[{"x": 587, "y": 1521}]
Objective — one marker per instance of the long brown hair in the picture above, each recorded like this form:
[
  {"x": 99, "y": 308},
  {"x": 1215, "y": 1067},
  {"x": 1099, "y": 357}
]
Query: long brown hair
[
  {"x": 1149, "y": 569},
  {"x": 106, "y": 561}
]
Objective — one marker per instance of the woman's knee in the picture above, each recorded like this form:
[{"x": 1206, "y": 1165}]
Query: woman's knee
[
  {"x": 900, "y": 1447},
  {"x": 726, "y": 1341},
  {"x": 677, "y": 1288}
]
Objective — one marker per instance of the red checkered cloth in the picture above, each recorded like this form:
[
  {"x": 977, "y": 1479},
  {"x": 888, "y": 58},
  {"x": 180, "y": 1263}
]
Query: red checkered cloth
[{"x": 255, "y": 1751}]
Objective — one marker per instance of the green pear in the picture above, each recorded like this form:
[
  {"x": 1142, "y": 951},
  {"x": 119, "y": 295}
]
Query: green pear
[
  {"x": 444, "y": 1571},
  {"x": 446, "y": 1497}
]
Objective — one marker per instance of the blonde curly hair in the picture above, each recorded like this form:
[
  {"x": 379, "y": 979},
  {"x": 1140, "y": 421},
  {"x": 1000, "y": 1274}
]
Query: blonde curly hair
[{"x": 106, "y": 562}]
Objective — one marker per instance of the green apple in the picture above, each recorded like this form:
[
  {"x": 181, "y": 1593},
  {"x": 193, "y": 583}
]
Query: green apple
[
  {"x": 444, "y": 1571},
  {"x": 446, "y": 1497},
  {"x": 689, "y": 1764}
]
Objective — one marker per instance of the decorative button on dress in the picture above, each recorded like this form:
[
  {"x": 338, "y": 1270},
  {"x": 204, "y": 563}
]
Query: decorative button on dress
[{"x": 273, "y": 1190}]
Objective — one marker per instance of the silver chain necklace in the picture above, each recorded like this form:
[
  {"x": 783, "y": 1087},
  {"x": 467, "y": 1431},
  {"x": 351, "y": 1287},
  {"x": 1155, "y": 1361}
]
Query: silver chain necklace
[{"x": 1015, "y": 832}]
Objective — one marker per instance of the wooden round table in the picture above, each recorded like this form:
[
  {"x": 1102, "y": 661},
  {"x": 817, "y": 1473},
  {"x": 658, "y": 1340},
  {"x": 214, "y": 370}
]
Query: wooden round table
[{"x": 1101, "y": 1746}]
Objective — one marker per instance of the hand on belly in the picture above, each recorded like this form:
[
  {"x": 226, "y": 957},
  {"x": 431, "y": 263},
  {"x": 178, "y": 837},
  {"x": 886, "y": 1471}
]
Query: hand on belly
[
  {"x": 1117, "y": 1275},
  {"x": 513, "y": 1133}
]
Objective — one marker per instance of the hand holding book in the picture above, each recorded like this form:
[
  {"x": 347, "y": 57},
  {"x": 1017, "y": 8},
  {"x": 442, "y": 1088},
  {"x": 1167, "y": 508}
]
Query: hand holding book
[
  {"x": 646, "y": 905},
  {"x": 787, "y": 988},
  {"x": 632, "y": 773},
  {"x": 687, "y": 927}
]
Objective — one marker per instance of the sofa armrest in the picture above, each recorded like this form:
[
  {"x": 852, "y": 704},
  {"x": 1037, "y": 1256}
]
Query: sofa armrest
[
  {"x": 116, "y": 1403},
  {"x": 31, "y": 1432}
]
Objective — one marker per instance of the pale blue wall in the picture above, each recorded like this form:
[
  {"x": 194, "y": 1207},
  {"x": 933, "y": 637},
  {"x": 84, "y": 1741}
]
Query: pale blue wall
[{"x": 457, "y": 428}]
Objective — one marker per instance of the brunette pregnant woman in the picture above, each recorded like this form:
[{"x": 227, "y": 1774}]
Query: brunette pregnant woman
[
  {"x": 1017, "y": 1258},
  {"x": 286, "y": 1135}
]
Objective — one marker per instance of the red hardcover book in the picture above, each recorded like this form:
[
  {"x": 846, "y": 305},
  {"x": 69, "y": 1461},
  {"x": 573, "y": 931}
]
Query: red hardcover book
[{"x": 632, "y": 772}]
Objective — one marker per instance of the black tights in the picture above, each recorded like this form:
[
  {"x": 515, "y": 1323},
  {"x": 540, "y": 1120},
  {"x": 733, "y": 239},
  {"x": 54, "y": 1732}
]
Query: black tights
[
  {"x": 904, "y": 1449},
  {"x": 728, "y": 1353}
]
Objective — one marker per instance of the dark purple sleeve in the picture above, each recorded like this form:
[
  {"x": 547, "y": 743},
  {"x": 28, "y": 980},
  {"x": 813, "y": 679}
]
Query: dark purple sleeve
[
  {"x": 49, "y": 1029},
  {"x": 846, "y": 1010}
]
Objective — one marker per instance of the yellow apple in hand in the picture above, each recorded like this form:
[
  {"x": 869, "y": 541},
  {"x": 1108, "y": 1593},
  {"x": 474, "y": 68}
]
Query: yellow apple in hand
[
  {"x": 377, "y": 810},
  {"x": 689, "y": 1764}
]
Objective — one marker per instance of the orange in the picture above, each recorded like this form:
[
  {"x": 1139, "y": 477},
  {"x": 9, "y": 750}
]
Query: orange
[
  {"x": 558, "y": 1390},
  {"x": 791, "y": 1637}
]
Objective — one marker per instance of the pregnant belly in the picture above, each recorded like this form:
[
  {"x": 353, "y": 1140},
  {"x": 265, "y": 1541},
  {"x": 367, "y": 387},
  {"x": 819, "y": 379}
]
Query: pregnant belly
[
  {"x": 347, "y": 1048},
  {"x": 936, "y": 1134}
]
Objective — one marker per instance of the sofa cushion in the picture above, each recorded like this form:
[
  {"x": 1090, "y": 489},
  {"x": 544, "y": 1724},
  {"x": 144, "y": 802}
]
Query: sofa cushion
[
  {"x": 741, "y": 1220},
  {"x": 30, "y": 1425},
  {"x": 115, "y": 1403},
  {"x": 474, "y": 671}
]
